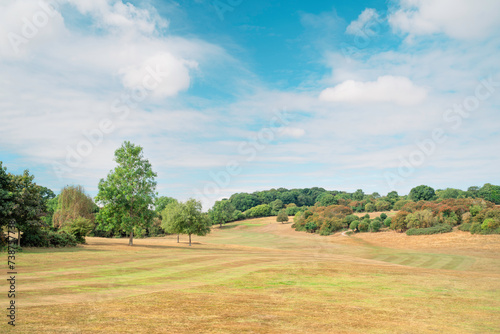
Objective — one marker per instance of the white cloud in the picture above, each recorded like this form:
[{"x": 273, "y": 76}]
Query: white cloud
[
  {"x": 361, "y": 26},
  {"x": 461, "y": 19},
  {"x": 291, "y": 132},
  {"x": 392, "y": 89},
  {"x": 113, "y": 14},
  {"x": 163, "y": 74}
]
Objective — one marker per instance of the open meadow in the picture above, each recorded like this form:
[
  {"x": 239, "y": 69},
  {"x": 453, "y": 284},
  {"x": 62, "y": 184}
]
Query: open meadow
[{"x": 259, "y": 276}]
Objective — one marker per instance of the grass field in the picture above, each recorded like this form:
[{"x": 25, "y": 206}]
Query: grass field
[{"x": 259, "y": 276}]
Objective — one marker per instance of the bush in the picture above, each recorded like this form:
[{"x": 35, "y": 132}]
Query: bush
[
  {"x": 387, "y": 222},
  {"x": 350, "y": 218},
  {"x": 465, "y": 227},
  {"x": 354, "y": 225},
  {"x": 46, "y": 238},
  {"x": 399, "y": 204},
  {"x": 311, "y": 227},
  {"x": 375, "y": 226},
  {"x": 262, "y": 210},
  {"x": 490, "y": 225},
  {"x": 238, "y": 215},
  {"x": 79, "y": 227},
  {"x": 441, "y": 228},
  {"x": 363, "y": 226},
  {"x": 475, "y": 228},
  {"x": 330, "y": 226},
  {"x": 383, "y": 216}
]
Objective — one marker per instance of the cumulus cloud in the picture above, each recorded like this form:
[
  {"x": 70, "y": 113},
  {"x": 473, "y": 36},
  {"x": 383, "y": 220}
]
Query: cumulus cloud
[
  {"x": 163, "y": 74},
  {"x": 392, "y": 89},
  {"x": 362, "y": 26},
  {"x": 460, "y": 19}
]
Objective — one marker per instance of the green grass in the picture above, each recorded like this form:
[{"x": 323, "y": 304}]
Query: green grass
[{"x": 259, "y": 276}]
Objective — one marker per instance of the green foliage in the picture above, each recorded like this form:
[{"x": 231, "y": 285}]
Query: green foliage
[
  {"x": 393, "y": 197},
  {"x": 382, "y": 205},
  {"x": 358, "y": 195},
  {"x": 400, "y": 203},
  {"x": 437, "y": 229},
  {"x": 326, "y": 199},
  {"x": 465, "y": 227},
  {"x": 450, "y": 193},
  {"x": 282, "y": 217},
  {"x": 370, "y": 207},
  {"x": 127, "y": 193},
  {"x": 354, "y": 225},
  {"x": 490, "y": 225},
  {"x": 375, "y": 226},
  {"x": 422, "y": 192},
  {"x": 349, "y": 219},
  {"x": 311, "y": 227},
  {"x": 221, "y": 213},
  {"x": 162, "y": 202},
  {"x": 276, "y": 205},
  {"x": 79, "y": 228},
  {"x": 490, "y": 193},
  {"x": 185, "y": 218},
  {"x": 73, "y": 203},
  {"x": 37, "y": 237},
  {"x": 421, "y": 219},
  {"x": 292, "y": 210},
  {"x": 383, "y": 216},
  {"x": 330, "y": 226},
  {"x": 475, "y": 228},
  {"x": 387, "y": 222},
  {"x": 238, "y": 215},
  {"x": 399, "y": 221},
  {"x": 262, "y": 210},
  {"x": 364, "y": 225}
]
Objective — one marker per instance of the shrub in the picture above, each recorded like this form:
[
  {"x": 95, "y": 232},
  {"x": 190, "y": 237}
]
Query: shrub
[
  {"x": 292, "y": 210},
  {"x": 420, "y": 219},
  {"x": 441, "y": 228},
  {"x": 311, "y": 227},
  {"x": 366, "y": 216},
  {"x": 79, "y": 227},
  {"x": 238, "y": 215},
  {"x": 350, "y": 218},
  {"x": 375, "y": 226},
  {"x": 46, "y": 238},
  {"x": 382, "y": 205},
  {"x": 330, "y": 226},
  {"x": 399, "y": 204},
  {"x": 490, "y": 225},
  {"x": 465, "y": 227},
  {"x": 387, "y": 222},
  {"x": 475, "y": 228},
  {"x": 354, "y": 225},
  {"x": 262, "y": 210},
  {"x": 363, "y": 226},
  {"x": 383, "y": 216}
]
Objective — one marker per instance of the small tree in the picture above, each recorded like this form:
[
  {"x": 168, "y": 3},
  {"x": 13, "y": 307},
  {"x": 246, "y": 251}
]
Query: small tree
[
  {"x": 282, "y": 216},
  {"x": 195, "y": 222}
]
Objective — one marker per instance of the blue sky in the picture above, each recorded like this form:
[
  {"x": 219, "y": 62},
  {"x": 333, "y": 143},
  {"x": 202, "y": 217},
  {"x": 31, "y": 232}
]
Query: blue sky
[{"x": 231, "y": 96}]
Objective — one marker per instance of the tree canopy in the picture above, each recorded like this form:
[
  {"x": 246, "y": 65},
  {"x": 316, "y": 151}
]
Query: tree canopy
[{"x": 128, "y": 192}]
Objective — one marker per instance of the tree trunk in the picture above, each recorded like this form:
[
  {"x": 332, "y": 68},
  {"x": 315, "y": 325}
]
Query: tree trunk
[
  {"x": 18, "y": 237},
  {"x": 177, "y": 237},
  {"x": 189, "y": 239},
  {"x": 220, "y": 225},
  {"x": 131, "y": 239}
]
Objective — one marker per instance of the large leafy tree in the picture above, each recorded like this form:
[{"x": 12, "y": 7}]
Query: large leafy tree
[
  {"x": 282, "y": 216},
  {"x": 423, "y": 192},
  {"x": 128, "y": 192},
  {"x": 27, "y": 205},
  {"x": 171, "y": 218},
  {"x": 221, "y": 212}
]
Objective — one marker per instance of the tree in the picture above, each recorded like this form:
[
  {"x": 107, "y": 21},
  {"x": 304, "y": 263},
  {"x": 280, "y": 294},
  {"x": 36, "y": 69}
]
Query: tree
[
  {"x": 128, "y": 192},
  {"x": 490, "y": 193},
  {"x": 423, "y": 192},
  {"x": 75, "y": 212},
  {"x": 358, "y": 195},
  {"x": 393, "y": 196},
  {"x": 6, "y": 201},
  {"x": 282, "y": 216},
  {"x": 172, "y": 220},
  {"x": 276, "y": 205},
  {"x": 221, "y": 213},
  {"x": 162, "y": 202},
  {"x": 326, "y": 199},
  {"x": 27, "y": 205},
  {"x": 195, "y": 222}
]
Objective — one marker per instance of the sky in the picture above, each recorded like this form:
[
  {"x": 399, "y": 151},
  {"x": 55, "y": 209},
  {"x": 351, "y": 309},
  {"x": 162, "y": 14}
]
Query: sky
[{"x": 237, "y": 96}]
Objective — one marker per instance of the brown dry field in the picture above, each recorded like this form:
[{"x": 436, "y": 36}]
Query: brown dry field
[{"x": 259, "y": 276}]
